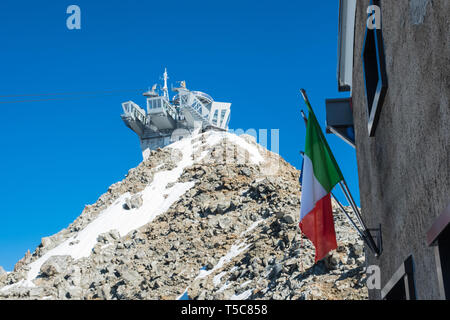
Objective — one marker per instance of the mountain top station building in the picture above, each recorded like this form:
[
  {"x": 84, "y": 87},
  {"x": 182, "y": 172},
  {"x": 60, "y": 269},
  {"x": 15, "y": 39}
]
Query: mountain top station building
[
  {"x": 394, "y": 60},
  {"x": 167, "y": 120}
]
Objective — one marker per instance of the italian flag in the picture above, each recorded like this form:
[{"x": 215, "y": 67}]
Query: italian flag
[{"x": 320, "y": 173}]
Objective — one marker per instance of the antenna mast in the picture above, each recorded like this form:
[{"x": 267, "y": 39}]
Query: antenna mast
[{"x": 165, "y": 89}]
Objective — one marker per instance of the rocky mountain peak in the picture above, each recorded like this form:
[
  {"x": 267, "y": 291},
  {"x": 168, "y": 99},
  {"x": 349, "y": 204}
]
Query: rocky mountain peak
[{"x": 212, "y": 216}]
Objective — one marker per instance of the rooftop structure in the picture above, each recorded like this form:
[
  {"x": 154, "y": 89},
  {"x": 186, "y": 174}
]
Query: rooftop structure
[{"x": 167, "y": 120}]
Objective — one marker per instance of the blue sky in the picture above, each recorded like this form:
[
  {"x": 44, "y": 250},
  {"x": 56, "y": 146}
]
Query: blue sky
[{"x": 58, "y": 155}]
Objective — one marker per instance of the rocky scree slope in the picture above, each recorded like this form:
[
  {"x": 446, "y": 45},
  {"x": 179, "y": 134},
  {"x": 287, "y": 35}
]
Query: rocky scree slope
[{"x": 213, "y": 216}]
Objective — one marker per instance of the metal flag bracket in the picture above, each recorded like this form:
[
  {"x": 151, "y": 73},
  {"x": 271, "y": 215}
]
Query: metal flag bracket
[{"x": 376, "y": 234}]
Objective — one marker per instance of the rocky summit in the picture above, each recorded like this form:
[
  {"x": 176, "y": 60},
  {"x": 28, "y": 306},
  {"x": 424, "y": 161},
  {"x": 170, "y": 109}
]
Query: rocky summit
[{"x": 212, "y": 216}]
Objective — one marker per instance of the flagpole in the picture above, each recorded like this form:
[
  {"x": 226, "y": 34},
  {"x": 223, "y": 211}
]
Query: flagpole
[
  {"x": 349, "y": 218},
  {"x": 367, "y": 236},
  {"x": 343, "y": 184},
  {"x": 352, "y": 204},
  {"x": 304, "y": 117}
]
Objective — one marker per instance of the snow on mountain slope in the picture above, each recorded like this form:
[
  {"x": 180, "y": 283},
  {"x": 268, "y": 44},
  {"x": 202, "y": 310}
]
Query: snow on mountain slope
[
  {"x": 212, "y": 215},
  {"x": 157, "y": 198}
]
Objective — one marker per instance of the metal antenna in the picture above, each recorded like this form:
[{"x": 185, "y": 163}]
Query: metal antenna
[{"x": 165, "y": 89}]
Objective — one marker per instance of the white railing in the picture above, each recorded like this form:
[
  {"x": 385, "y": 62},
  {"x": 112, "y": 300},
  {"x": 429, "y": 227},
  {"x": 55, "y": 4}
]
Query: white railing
[
  {"x": 195, "y": 101},
  {"x": 203, "y": 95},
  {"x": 134, "y": 111},
  {"x": 170, "y": 109}
]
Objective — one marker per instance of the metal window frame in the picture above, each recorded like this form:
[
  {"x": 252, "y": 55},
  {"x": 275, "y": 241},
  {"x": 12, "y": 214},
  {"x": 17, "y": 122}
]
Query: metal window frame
[
  {"x": 404, "y": 273},
  {"x": 374, "y": 106},
  {"x": 437, "y": 229}
]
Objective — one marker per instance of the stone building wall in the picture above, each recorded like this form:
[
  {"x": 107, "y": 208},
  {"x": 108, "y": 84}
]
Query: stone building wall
[{"x": 404, "y": 170}]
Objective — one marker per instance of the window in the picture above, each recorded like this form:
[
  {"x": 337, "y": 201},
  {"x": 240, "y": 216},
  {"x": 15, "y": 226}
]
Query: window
[
  {"x": 439, "y": 237},
  {"x": 215, "y": 115},
  {"x": 222, "y": 115},
  {"x": 228, "y": 121},
  {"x": 401, "y": 285},
  {"x": 155, "y": 103},
  {"x": 375, "y": 79}
]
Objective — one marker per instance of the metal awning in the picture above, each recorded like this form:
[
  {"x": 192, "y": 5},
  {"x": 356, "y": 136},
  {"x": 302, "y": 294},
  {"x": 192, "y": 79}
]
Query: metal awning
[{"x": 340, "y": 119}]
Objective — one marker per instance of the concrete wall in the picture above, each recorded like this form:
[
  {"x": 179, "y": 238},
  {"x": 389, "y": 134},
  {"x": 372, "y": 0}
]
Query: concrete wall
[{"x": 404, "y": 171}]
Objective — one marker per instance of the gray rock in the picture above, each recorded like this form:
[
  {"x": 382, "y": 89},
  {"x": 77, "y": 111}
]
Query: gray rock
[
  {"x": 154, "y": 266},
  {"x": 46, "y": 242},
  {"x": 106, "y": 291},
  {"x": 103, "y": 237},
  {"x": 36, "y": 293},
  {"x": 224, "y": 222},
  {"x": 56, "y": 265},
  {"x": 72, "y": 243},
  {"x": 140, "y": 254},
  {"x": 2, "y": 271},
  {"x": 74, "y": 275},
  {"x": 108, "y": 237},
  {"x": 288, "y": 219},
  {"x": 213, "y": 222},
  {"x": 74, "y": 293},
  {"x": 359, "y": 249},
  {"x": 276, "y": 270},
  {"x": 279, "y": 214},
  {"x": 332, "y": 261},
  {"x": 223, "y": 206},
  {"x": 246, "y": 172},
  {"x": 114, "y": 234},
  {"x": 134, "y": 202}
]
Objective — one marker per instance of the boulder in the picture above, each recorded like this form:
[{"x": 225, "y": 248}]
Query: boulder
[
  {"x": 223, "y": 205},
  {"x": 224, "y": 222},
  {"x": 56, "y": 265},
  {"x": 36, "y": 293},
  {"x": 212, "y": 223},
  {"x": 74, "y": 293},
  {"x": 114, "y": 234},
  {"x": 246, "y": 172},
  {"x": 22, "y": 262},
  {"x": 288, "y": 219},
  {"x": 279, "y": 214},
  {"x": 133, "y": 202},
  {"x": 108, "y": 237},
  {"x": 276, "y": 270},
  {"x": 130, "y": 276},
  {"x": 332, "y": 260},
  {"x": 46, "y": 242},
  {"x": 103, "y": 238}
]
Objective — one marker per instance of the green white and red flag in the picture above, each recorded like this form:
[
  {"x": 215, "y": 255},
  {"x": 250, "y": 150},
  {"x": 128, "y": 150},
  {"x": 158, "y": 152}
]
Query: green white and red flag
[{"x": 320, "y": 173}]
